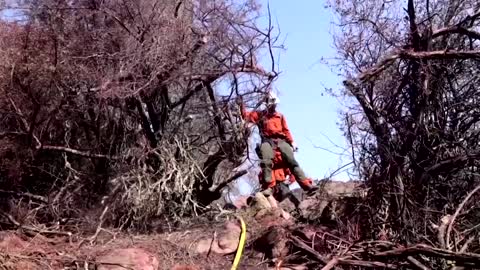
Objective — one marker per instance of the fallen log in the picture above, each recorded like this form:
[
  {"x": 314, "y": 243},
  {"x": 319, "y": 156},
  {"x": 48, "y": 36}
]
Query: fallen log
[
  {"x": 430, "y": 251},
  {"x": 370, "y": 264},
  {"x": 300, "y": 244}
]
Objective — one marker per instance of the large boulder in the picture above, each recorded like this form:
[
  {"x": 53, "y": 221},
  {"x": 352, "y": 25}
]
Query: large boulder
[
  {"x": 260, "y": 202},
  {"x": 128, "y": 258},
  {"x": 335, "y": 199},
  {"x": 225, "y": 243},
  {"x": 263, "y": 210}
]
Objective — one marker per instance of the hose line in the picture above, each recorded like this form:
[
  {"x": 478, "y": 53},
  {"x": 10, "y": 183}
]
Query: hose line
[{"x": 241, "y": 244}]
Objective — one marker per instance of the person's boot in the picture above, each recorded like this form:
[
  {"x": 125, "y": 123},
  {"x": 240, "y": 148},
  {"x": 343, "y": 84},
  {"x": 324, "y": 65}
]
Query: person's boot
[
  {"x": 308, "y": 187},
  {"x": 283, "y": 191},
  {"x": 296, "y": 202},
  {"x": 311, "y": 190}
]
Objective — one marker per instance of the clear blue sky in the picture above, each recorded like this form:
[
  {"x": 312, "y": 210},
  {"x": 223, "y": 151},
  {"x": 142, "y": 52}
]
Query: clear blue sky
[{"x": 311, "y": 113}]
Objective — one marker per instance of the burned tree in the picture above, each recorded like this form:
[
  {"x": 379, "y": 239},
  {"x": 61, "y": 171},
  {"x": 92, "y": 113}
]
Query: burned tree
[
  {"x": 412, "y": 68},
  {"x": 117, "y": 105}
]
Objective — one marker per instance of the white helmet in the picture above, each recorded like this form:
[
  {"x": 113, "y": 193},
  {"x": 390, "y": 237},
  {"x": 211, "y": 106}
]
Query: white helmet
[{"x": 272, "y": 99}]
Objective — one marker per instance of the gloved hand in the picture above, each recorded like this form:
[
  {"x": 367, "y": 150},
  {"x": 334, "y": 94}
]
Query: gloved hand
[{"x": 294, "y": 146}]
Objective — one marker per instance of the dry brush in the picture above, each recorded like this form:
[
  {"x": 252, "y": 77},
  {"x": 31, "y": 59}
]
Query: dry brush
[
  {"x": 411, "y": 71},
  {"x": 122, "y": 106}
]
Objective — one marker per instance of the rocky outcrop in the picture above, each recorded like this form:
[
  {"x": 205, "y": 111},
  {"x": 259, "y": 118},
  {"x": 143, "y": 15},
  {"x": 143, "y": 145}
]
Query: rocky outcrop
[
  {"x": 265, "y": 212},
  {"x": 225, "y": 242},
  {"x": 334, "y": 200}
]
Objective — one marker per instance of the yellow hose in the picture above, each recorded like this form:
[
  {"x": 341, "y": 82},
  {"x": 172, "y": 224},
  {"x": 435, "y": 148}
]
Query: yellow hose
[{"x": 241, "y": 244}]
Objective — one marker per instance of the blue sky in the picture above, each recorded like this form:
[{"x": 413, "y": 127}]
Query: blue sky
[{"x": 311, "y": 113}]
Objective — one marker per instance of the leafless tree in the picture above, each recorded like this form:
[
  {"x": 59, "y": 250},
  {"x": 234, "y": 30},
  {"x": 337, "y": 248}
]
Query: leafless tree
[
  {"x": 122, "y": 104},
  {"x": 411, "y": 69}
]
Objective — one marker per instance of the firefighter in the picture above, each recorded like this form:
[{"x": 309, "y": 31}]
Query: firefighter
[{"x": 275, "y": 134}]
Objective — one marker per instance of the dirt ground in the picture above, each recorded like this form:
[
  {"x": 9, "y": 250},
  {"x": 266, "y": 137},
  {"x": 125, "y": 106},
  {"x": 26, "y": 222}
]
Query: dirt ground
[
  {"x": 170, "y": 250},
  {"x": 174, "y": 249}
]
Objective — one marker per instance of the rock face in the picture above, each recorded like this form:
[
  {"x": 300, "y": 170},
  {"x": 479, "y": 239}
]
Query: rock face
[
  {"x": 340, "y": 188},
  {"x": 260, "y": 202},
  {"x": 226, "y": 242},
  {"x": 334, "y": 200},
  {"x": 129, "y": 258}
]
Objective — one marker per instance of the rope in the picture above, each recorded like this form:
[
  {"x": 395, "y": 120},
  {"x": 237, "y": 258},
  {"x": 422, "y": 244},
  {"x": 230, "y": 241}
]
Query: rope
[{"x": 241, "y": 244}]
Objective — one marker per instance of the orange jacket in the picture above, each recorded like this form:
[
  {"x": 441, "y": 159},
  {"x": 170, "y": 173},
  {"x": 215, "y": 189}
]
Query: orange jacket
[{"x": 271, "y": 125}]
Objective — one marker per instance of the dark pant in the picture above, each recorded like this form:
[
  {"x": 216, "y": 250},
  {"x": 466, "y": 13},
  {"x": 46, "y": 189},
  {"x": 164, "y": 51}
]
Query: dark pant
[{"x": 266, "y": 154}]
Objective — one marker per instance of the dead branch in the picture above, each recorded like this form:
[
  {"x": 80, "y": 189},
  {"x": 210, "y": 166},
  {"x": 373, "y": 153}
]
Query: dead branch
[
  {"x": 431, "y": 251},
  {"x": 300, "y": 244},
  {"x": 378, "y": 68},
  {"x": 369, "y": 264},
  {"x": 99, "y": 227},
  {"x": 464, "y": 248},
  {"x": 24, "y": 122},
  {"x": 34, "y": 197},
  {"x": 456, "y": 30},
  {"x": 447, "y": 54},
  {"x": 452, "y": 162},
  {"x": 444, "y": 223},
  {"x": 31, "y": 229},
  {"x": 331, "y": 264},
  {"x": 417, "y": 263},
  {"x": 75, "y": 152},
  {"x": 457, "y": 212},
  {"x": 405, "y": 54},
  {"x": 234, "y": 177}
]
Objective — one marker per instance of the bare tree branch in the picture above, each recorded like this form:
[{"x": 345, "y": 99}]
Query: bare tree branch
[{"x": 75, "y": 152}]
